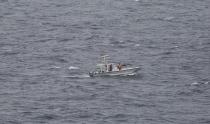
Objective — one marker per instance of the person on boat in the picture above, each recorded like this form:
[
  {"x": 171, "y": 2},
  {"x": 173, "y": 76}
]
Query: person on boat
[
  {"x": 119, "y": 66},
  {"x": 110, "y": 67}
]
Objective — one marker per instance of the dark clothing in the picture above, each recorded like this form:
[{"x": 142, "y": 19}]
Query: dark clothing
[
  {"x": 119, "y": 66},
  {"x": 110, "y": 67}
]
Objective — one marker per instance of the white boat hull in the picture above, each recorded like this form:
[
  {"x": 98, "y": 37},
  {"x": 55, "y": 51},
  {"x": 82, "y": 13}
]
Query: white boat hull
[{"x": 123, "y": 72}]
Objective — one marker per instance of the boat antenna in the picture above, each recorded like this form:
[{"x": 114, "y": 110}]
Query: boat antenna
[{"x": 104, "y": 59}]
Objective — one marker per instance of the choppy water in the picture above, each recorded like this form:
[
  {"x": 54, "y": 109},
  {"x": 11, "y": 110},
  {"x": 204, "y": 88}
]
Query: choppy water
[{"x": 48, "y": 46}]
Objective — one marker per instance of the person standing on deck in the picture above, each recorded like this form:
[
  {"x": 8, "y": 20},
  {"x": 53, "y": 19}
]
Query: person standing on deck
[
  {"x": 119, "y": 66},
  {"x": 110, "y": 67}
]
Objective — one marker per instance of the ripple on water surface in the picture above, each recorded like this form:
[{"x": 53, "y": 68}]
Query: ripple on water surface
[{"x": 48, "y": 47}]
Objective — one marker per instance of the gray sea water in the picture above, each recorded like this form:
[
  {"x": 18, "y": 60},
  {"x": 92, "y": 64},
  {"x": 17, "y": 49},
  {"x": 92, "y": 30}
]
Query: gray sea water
[{"x": 47, "y": 48}]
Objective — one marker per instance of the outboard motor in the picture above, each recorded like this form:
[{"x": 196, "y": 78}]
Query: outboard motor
[{"x": 91, "y": 74}]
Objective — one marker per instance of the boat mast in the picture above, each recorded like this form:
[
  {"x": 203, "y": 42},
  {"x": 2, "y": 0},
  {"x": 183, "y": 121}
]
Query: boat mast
[{"x": 104, "y": 60}]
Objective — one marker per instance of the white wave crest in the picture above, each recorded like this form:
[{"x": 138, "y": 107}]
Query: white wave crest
[
  {"x": 73, "y": 68},
  {"x": 78, "y": 76},
  {"x": 195, "y": 83}
]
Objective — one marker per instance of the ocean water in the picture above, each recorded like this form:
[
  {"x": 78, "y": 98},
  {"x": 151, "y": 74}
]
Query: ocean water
[{"x": 47, "y": 48}]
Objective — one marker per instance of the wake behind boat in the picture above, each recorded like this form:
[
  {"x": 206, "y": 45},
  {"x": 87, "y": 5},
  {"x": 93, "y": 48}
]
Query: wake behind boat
[{"x": 111, "y": 69}]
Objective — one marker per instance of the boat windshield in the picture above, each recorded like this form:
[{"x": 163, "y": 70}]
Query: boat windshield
[{"x": 100, "y": 67}]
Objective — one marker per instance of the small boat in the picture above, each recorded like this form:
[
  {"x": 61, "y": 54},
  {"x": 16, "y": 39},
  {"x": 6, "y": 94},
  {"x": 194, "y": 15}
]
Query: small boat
[{"x": 111, "y": 69}]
